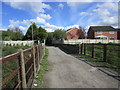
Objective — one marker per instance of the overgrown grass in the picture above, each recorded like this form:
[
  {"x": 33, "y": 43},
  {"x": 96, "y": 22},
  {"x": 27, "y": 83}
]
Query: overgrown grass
[
  {"x": 9, "y": 66},
  {"x": 7, "y": 50},
  {"x": 43, "y": 68}
]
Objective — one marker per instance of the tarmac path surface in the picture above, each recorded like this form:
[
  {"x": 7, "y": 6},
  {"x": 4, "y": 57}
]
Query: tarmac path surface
[{"x": 66, "y": 71}]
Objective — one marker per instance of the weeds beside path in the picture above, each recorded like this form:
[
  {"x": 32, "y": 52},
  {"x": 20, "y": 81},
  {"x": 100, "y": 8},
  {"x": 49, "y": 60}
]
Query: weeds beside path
[{"x": 43, "y": 68}]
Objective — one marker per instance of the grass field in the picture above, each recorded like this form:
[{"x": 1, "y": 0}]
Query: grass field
[{"x": 7, "y": 50}]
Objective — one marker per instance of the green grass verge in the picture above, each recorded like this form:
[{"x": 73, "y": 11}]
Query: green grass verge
[
  {"x": 43, "y": 68},
  {"x": 99, "y": 63}
]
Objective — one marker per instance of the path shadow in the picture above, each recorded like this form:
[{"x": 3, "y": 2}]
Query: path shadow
[
  {"x": 69, "y": 49},
  {"x": 100, "y": 67}
]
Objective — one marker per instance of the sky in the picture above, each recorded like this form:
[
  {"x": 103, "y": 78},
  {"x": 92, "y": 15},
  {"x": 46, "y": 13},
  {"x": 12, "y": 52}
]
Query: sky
[{"x": 58, "y": 15}]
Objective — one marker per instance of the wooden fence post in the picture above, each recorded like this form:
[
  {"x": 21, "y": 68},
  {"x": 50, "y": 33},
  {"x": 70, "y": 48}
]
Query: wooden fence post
[
  {"x": 23, "y": 75},
  {"x": 92, "y": 50},
  {"x": 104, "y": 52},
  {"x": 38, "y": 58},
  {"x": 81, "y": 48},
  {"x": 84, "y": 49},
  {"x": 34, "y": 61}
]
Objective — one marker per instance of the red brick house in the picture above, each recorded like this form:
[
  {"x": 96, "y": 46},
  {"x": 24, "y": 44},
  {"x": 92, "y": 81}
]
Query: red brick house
[
  {"x": 102, "y": 32},
  {"x": 118, "y": 33},
  {"x": 75, "y": 33}
]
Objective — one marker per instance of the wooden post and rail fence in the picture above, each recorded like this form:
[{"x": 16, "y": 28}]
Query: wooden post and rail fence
[
  {"x": 106, "y": 53},
  {"x": 19, "y": 69}
]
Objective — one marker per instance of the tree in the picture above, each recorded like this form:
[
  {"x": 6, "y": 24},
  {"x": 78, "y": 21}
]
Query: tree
[
  {"x": 41, "y": 34},
  {"x": 38, "y": 33},
  {"x": 28, "y": 35},
  {"x": 12, "y": 34},
  {"x": 17, "y": 34},
  {"x": 59, "y": 34},
  {"x": 49, "y": 38}
]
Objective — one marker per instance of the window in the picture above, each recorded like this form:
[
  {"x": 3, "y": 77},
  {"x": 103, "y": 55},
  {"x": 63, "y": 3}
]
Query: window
[
  {"x": 111, "y": 32},
  {"x": 111, "y": 38},
  {"x": 99, "y": 32}
]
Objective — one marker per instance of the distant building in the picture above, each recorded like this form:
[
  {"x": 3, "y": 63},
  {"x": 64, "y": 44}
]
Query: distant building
[
  {"x": 75, "y": 33},
  {"x": 118, "y": 33},
  {"x": 102, "y": 32}
]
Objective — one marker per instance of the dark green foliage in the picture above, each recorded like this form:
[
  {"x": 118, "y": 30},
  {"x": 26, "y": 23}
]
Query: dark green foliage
[
  {"x": 41, "y": 34},
  {"x": 28, "y": 35},
  {"x": 49, "y": 38},
  {"x": 59, "y": 34},
  {"x": 14, "y": 34},
  {"x": 38, "y": 33}
]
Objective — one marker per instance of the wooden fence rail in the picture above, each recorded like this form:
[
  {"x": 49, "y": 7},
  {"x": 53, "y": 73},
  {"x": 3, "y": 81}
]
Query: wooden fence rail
[
  {"x": 19, "y": 70},
  {"x": 107, "y": 53}
]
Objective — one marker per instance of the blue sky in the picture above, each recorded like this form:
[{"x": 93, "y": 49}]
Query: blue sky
[{"x": 58, "y": 15}]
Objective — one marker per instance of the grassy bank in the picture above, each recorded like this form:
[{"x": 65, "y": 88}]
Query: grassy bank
[
  {"x": 43, "y": 68},
  {"x": 7, "y": 50},
  {"x": 95, "y": 62}
]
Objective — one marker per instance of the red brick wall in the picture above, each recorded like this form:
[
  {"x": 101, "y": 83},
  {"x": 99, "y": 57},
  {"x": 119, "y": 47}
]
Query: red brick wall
[
  {"x": 118, "y": 35},
  {"x": 107, "y": 34},
  {"x": 90, "y": 34}
]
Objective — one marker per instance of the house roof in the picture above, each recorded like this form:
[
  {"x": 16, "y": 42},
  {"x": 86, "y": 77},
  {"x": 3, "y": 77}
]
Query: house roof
[
  {"x": 103, "y": 28},
  {"x": 118, "y": 29},
  {"x": 73, "y": 33}
]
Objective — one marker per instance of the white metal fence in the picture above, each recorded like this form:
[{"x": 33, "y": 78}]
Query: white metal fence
[
  {"x": 18, "y": 42},
  {"x": 78, "y": 41}
]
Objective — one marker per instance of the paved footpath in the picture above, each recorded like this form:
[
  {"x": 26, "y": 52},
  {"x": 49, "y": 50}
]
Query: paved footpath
[{"x": 65, "y": 71}]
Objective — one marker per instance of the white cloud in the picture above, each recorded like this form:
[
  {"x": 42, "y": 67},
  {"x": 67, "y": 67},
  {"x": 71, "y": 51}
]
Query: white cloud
[
  {"x": 49, "y": 30},
  {"x": 48, "y": 25},
  {"x": 110, "y": 5},
  {"x": 26, "y": 22},
  {"x": 45, "y": 16},
  {"x": 72, "y": 26},
  {"x": 14, "y": 24},
  {"x": 113, "y": 20},
  {"x": 72, "y": 4},
  {"x": 35, "y": 7},
  {"x": 107, "y": 14},
  {"x": 3, "y": 29},
  {"x": 38, "y": 8},
  {"x": 38, "y": 20},
  {"x": 22, "y": 28},
  {"x": 85, "y": 13},
  {"x": 61, "y": 5}
]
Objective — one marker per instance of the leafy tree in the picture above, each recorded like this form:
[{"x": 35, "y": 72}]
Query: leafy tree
[
  {"x": 38, "y": 33},
  {"x": 14, "y": 34},
  {"x": 49, "y": 38},
  {"x": 41, "y": 34},
  {"x": 28, "y": 35},
  {"x": 59, "y": 34}
]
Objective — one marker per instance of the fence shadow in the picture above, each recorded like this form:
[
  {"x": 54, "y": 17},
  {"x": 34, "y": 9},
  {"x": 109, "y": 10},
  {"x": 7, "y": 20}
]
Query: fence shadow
[{"x": 67, "y": 48}]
